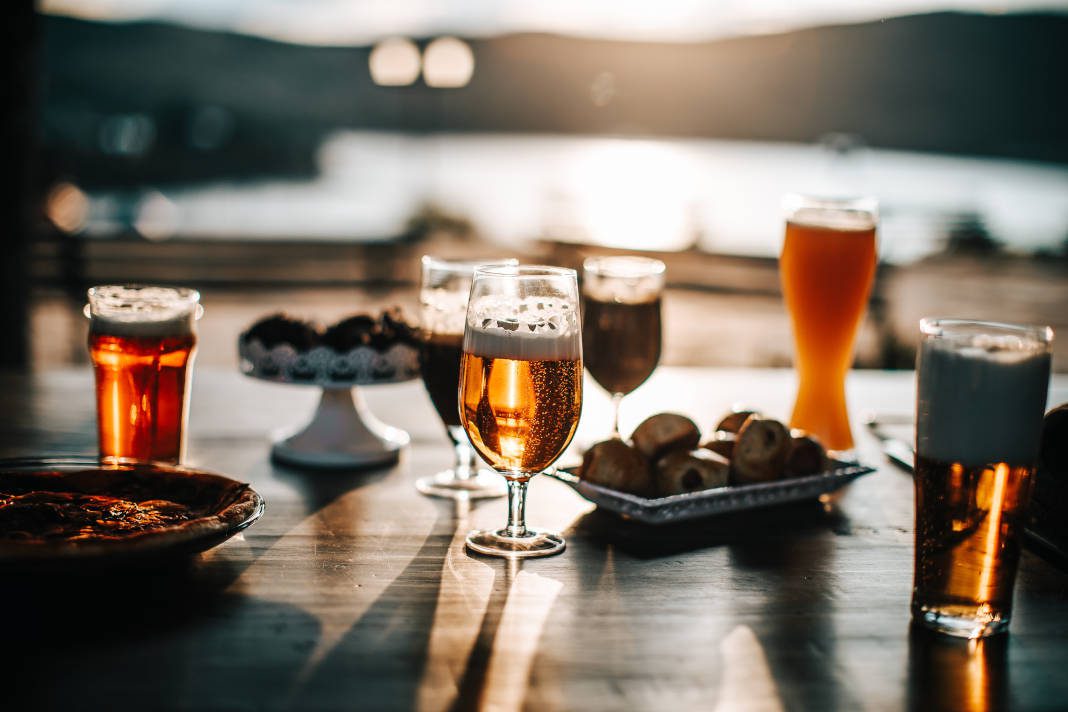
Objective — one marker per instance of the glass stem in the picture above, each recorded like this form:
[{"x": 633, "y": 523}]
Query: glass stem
[
  {"x": 617, "y": 399},
  {"x": 517, "y": 506},
  {"x": 464, "y": 465}
]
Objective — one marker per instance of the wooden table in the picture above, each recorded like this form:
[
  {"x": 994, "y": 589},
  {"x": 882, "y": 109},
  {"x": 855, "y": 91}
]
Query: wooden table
[{"x": 355, "y": 592}]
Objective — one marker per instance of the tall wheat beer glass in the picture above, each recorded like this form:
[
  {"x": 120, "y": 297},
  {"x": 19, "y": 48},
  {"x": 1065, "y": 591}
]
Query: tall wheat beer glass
[
  {"x": 142, "y": 341},
  {"x": 521, "y": 387},
  {"x": 827, "y": 268},
  {"x": 981, "y": 395},
  {"x": 443, "y": 293}
]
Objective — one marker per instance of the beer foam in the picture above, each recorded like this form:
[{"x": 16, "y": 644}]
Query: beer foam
[
  {"x": 142, "y": 311},
  {"x": 623, "y": 291},
  {"x": 525, "y": 329},
  {"x": 834, "y": 219},
  {"x": 443, "y": 310},
  {"x": 981, "y": 402}
]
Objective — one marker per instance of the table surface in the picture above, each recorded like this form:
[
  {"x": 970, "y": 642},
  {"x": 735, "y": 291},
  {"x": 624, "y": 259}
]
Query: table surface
[{"x": 354, "y": 591}]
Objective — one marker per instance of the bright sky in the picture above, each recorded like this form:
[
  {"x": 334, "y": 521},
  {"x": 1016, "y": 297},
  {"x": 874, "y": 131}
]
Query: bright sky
[{"x": 351, "y": 22}]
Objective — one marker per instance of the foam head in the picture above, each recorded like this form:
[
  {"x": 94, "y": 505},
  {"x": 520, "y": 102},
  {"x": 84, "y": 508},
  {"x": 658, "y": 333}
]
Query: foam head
[
  {"x": 523, "y": 328},
  {"x": 981, "y": 392},
  {"x": 847, "y": 214},
  {"x": 623, "y": 279},
  {"x": 137, "y": 311}
]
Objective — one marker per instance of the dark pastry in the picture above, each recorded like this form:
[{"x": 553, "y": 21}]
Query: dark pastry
[
  {"x": 663, "y": 432},
  {"x": 281, "y": 329},
  {"x": 760, "y": 451},
  {"x": 732, "y": 422},
  {"x": 722, "y": 442},
  {"x": 805, "y": 457},
  {"x": 616, "y": 465},
  {"x": 349, "y": 333},
  {"x": 680, "y": 472}
]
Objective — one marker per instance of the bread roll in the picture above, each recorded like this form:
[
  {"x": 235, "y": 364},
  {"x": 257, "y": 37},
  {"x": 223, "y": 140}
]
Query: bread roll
[
  {"x": 805, "y": 457},
  {"x": 616, "y": 465},
  {"x": 664, "y": 432},
  {"x": 732, "y": 422},
  {"x": 680, "y": 471},
  {"x": 721, "y": 443},
  {"x": 760, "y": 451}
]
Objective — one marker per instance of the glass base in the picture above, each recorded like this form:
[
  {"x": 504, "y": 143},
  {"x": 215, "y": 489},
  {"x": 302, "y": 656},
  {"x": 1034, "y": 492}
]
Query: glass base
[
  {"x": 483, "y": 485},
  {"x": 962, "y": 626},
  {"x": 499, "y": 543}
]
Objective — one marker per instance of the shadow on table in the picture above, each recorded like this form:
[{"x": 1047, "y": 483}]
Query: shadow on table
[
  {"x": 155, "y": 638},
  {"x": 754, "y": 527},
  {"x": 319, "y": 488},
  {"x": 954, "y": 674}
]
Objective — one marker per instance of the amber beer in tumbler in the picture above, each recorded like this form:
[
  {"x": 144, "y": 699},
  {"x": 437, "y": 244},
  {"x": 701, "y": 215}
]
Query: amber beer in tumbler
[
  {"x": 142, "y": 342},
  {"x": 981, "y": 396},
  {"x": 827, "y": 268}
]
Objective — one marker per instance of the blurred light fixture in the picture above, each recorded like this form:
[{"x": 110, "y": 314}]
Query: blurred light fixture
[
  {"x": 157, "y": 217},
  {"x": 67, "y": 207},
  {"x": 448, "y": 63},
  {"x": 394, "y": 62}
]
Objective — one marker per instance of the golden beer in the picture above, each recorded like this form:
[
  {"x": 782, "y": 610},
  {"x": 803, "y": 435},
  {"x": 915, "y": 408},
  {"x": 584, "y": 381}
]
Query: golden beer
[
  {"x": 981, "y": 393},
  {"x": 968, "y": 529},
  {"x": 142, "y": 345},
  {"x": 520, "y": 414}
]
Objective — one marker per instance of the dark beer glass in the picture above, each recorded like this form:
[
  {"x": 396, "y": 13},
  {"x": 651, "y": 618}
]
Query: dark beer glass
[
  {"x": 521, "y": 387},
  {"x": 142, "y": 341},
  {"x": 444, "y": 288},
  {"x": 621, "y": 328}
]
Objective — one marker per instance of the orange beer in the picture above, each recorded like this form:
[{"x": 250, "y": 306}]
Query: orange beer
[
  {"x": 827, "y": 268},
  {"x": 142, "y": 344}
]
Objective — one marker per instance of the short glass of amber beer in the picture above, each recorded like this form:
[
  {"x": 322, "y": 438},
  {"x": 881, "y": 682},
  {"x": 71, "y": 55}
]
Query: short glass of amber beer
[
  {"x": 142, "y": 341},
  {"x": 521, "y": 387},
  {"x": 827, "y": 268},
  {"x": 981, "y": 395}
]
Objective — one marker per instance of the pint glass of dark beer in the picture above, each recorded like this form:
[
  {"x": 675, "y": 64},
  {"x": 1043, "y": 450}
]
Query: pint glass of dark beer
[
  {"x": 982, "y": 391},
  {"x": 142, "y": 341}
]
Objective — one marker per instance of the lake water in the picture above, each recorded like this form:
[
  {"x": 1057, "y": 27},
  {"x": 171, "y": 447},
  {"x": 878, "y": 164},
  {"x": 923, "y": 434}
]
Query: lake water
[{"x": 722, "y": 196}]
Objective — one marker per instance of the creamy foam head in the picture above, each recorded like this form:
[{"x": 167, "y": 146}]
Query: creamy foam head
[
  {"x": 623, "y": 279},
  {"x": 525, "y": 329},
  {"x": 143, "y": 311},
  {"x": 981, "y": 398},
  {"x": 846, "y": 214}
]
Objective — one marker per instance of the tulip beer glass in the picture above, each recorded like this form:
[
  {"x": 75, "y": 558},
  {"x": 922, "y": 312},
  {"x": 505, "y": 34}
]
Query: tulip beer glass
[
  {"x": 827, "y": 268},
  {"x": 142, "y": 341},
  {"x": 443, "y": 295},
  {"x": 980, "y": 399},
  {"x": 521, "y": 387},
  {"x": 621, "y": 323}
]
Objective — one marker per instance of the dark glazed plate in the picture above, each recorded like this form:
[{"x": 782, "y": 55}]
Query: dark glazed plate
[
  {"x": 720, "y": 500},
  {"x": 143, "y": 512}
]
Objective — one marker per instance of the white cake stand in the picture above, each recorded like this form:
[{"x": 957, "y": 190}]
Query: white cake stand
[{"x": 342, "y": 433}]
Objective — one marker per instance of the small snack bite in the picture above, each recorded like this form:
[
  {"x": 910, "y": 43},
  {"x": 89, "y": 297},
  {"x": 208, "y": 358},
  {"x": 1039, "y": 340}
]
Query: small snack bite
[
  {"x": 760, "y": 451},
  {"x": 282, "y": 329},
  {"x": 732, "y": 422},
  {"x": 806, "y": 455},
  {"x": 616, "y": 465},
  {"x": 679, "y": 472},
  {"x": 349, "y": 333},
  {"x": 662, "y": 432},
  {"x": 721, "y": 443}
]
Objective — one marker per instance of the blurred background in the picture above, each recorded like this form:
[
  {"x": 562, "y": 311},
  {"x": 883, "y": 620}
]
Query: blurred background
[{"x": 301, "y": 155}]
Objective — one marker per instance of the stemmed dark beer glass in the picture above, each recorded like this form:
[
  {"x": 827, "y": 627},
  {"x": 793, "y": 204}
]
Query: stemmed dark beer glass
[
  {"x": 621, "y": 329},
  {"x": 521, "y": 387},
  {"x": 443, "y": 293}
]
